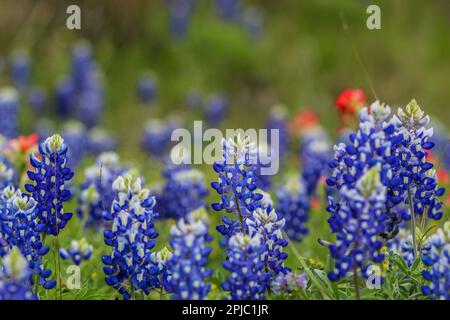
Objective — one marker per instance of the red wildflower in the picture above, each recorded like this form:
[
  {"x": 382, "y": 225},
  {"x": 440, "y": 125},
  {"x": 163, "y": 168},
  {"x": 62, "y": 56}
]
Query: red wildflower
[
  {"x": 303, "y": 120},
  {"x": 350, "y": 100},
  {"x": 24, "y": 143}
]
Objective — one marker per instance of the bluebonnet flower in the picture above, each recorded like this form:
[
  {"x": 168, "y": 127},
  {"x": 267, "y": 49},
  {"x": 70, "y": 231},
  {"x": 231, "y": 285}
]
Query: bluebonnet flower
[
  {"x": 229, "y": 10},
  {"x": 278, "y": 120},
  {"x": 265, "y": 223},
  {"x": 357, "y": 220},
  {"x": 315, "y": 153},
  {"x": 100, "y": 141},
  {"x": 184, "y": 190},
  {"x": 14, "y": 278},
  {"x": 415, "y": 176},
  {"x": 37, "y": 99},
  {"x": 437, "y": 275},
  {"x": 76, "y": 139},
  {"x": 6, "y": 173},
  {"x": 180, "y": 12},
  {"x": 81, "y": 93},
  {"x": 294, "y": 206},
  {"x": 9, "y": 113},
  {"x": 248, "y": 279},
  {"x": 156, "y": 137},
  {"x": 129, "y": 268},
  {"x": 288, "y": 282},
  {"x": 49, "y": 178},
  {"x": 216, "y": 109},
  {"x": 441, "y": 140},
  {"x": 21, "y": 228},
  {"x": 186, "y": 267},
  {"x": 236, "y": 184},
  {"x": 194, "y": 100},
  {"x": 374, "y": 143},
  {"x": 78, "y": 251},
  {"x": 146, "y": 89},
  {"x": 97, "y": 194},
  {"x": 20, "y": 71}
]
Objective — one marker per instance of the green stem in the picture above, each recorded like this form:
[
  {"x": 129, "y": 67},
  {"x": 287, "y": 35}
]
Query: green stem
[
  {"x": 413, "y": 222},
  {"x": 355, "y": 282}
]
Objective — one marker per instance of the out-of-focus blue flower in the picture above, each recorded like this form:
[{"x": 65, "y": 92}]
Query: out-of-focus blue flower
[
  {"x": 357, "y": 220},
  {"x": 146, "y": 89},
  {"x": 20, "y": 71},
  {"x": 78, "y": 251},
  {"x": 437, "y": 276},
  {"x": 294, "y": 207},
  {"x": 100, "y": 141},
  {"x": 81, "y": 93},
  {"x": 6, "y": 173},
  {"x": 37, "y": 99},
  {"x": 253, "y": 21},
  {"x": 97, "y": 194},
  {"x": 441, "y": 138},
  {"x": 180, "y": 12},
  {"x": 9, "y": 113},
  {"x": 76, "y": 139},
  {"x": 194, "y": 100},
  {"x": 184, "y": 190},
  {"x": 229, "y": 10},
  {"x": 216, "y": 109},
  {"x": 156, "y": 137},
  {"x": 248, "y": 279},
  {"x": 186, "y": 267},
  {"x": 48, "y": 187},
  {"x": 14, "y": 278},
  {"x": 278, "y": 121},
  {"x": 128, "y": 267},
  {"x": 20, "y": 228},
  {"x": 315, "y": 153}
]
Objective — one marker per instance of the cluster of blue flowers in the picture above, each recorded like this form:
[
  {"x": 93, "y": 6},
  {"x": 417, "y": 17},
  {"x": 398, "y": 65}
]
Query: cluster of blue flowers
[
  {"x": 254, "y": 233},
  {"x": 186, "y": 268},
  {"x": 357, "y": 219},
  {"x": 236, "y": 184},
  {"x": 294, "y": 207},
  {"x": 81, "y": 93},
  {"x": 15, "y": 278},
  {"x": 7, "y": 172},
  {"x": 129, "y": 268},
  {"x": 96, "y": 194},
  {"x": 399, "y": 146},
  {"x": 78, "y": 251},
  {"x": 20, "y": 228},
  {"x": 265, "y": 223},
  {"x": 20, "y": 70},
  {"x": 437, "y": 259},
  {"x": 184, "y": 190},
  {"x": 249, "y": 279},
  {"x": 9, "y": 112},
  {"x": 48, "y": 186}
]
